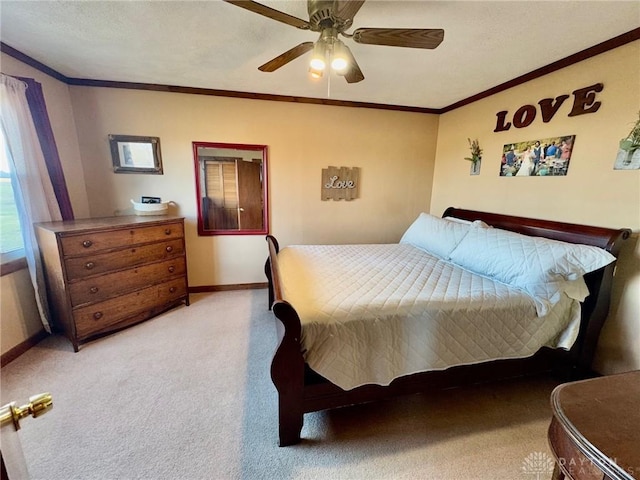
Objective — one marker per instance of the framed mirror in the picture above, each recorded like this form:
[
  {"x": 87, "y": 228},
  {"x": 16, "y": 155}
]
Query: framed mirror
[{"x": 231, "y": 188}]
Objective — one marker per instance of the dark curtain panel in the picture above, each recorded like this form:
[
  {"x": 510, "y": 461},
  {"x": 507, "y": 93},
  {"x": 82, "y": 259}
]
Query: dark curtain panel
[{"x": 40, "y": 116}]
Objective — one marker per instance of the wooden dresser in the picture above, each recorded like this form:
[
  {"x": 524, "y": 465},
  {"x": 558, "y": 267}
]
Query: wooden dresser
[{"x": 104, "y": 274}]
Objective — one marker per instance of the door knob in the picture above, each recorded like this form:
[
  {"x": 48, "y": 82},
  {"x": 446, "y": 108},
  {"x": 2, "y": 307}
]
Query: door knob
[{"x": 38, "y": 405}]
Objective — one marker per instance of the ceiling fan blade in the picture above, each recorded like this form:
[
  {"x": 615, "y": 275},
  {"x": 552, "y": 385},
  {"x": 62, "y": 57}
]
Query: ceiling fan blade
[
  {"x": 346, "y": 9},
  {"x": 353, "y": 73},
  {"x": 272, "y": 13},
  {"x": 286, "y": 57},
  {"x": 400, "y": 37}
]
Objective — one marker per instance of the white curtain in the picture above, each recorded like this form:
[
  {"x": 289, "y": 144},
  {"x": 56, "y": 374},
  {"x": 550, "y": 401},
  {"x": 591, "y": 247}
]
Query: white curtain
[{"x": 35, "y": 198}]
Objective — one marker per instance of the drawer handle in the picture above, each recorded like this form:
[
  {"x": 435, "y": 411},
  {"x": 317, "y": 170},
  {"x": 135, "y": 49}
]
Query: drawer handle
[
  {"x": 87, "y": 243},
  {"x": 97, "y": 315},
  {"x": 169, "y": 248},
  {"x": 93, "y": 289},
  {"x": 172, "y": 290},
  {"x": 89, "y": 265},
  {"x": 167, "y": 231},
  {"x": 172, "y": 269}
]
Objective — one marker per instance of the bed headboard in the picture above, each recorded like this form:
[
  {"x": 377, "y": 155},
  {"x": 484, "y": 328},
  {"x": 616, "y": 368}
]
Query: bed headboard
[
  {"x": 595, "y": 308},
  {"x": 607, "y": 238}
]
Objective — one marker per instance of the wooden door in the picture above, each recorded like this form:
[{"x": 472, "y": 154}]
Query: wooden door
[
  {"x": 250, "y": 195},
  {"x": 13, "y": 465}
]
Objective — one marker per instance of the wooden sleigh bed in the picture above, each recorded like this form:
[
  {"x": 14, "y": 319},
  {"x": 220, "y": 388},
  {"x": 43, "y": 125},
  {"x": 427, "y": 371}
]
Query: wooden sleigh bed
[{"x": 302, "y": 390}]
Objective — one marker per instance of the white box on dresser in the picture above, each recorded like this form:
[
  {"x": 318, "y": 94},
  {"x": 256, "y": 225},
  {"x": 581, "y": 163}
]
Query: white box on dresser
[{"x": 104, "y": 274}]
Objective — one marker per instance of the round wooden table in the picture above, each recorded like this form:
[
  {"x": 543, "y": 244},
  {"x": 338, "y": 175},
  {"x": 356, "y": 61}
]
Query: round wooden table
[{"x": 595, "y": 430}]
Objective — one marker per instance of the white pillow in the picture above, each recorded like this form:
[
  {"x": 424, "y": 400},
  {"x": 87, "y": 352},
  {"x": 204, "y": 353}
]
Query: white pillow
[
  {"x": 435, "y": 235},
  {"x": 540, "y": 266},
  {"x": 457, "y": 220},
  {"x": 477, "y": 223}
]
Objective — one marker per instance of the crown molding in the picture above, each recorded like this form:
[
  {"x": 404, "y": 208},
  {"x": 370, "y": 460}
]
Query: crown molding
[
  {"x": 585, "y": 54},
  {"x": 582, "y": 55},
  {"x": 18, "y": 55},
  {"x": 235, "y": 94}
]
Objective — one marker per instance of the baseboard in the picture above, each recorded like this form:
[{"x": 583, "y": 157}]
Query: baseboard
[
  {"x": 19, "y": 349},
  {"x": 224, "y": 288}
]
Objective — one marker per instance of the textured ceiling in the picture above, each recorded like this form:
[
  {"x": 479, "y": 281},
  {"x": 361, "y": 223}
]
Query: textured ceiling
[{"x": 217, "y": 45}]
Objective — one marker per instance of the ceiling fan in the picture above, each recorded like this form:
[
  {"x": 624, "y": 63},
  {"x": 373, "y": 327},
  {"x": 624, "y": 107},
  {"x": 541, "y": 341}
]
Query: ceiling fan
[{"x": 331, "y": 18}]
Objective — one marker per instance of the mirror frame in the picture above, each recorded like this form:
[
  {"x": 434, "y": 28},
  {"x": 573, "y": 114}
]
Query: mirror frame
[
  {"x": 265, "y": 184},
  {"x": 140, "y": 165}
]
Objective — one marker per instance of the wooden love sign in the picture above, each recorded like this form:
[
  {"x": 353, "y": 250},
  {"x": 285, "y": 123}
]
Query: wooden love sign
[
  {"x": 340, "y": 183},
  {"x": 584, "y": 101}
]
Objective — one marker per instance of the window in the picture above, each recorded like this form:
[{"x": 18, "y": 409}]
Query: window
[{"x": 11, "y": 244}]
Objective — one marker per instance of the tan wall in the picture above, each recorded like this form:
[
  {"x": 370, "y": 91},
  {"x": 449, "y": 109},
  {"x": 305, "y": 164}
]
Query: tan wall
[
  {"x": 592, "y": 192},
  {"x": 394, "y": 150},
  {"x": 20, "y": 318},
  {"x": 18, "y": 310}
]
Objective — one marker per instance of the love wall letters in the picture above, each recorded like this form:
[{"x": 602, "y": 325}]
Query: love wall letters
[
  {"x": 340, "y": 183},
  {"x": 584, "y": 101}
]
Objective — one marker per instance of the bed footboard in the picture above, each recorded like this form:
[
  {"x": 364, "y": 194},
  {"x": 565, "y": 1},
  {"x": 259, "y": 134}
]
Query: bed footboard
[{"x": 287, "y": 366}]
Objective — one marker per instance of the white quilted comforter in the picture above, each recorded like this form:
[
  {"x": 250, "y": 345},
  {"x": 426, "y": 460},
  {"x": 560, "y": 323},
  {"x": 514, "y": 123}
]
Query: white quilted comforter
[{"x": 372, "y": 313}]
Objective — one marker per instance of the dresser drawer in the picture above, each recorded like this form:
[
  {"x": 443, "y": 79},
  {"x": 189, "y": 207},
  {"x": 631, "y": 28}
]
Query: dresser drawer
[
  {"x": 97, "y": 317},
  {"x": 101, "y": 287},
  {"x": 90, "y": 242},
  {"x": 82, "y": 267}
]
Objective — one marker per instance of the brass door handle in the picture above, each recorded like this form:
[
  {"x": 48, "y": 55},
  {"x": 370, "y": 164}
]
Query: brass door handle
[{"x": 38, "y": 405}]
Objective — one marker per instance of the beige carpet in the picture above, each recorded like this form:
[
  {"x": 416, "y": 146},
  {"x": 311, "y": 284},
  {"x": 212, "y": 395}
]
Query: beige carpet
[{"x": 188, "y": 395}]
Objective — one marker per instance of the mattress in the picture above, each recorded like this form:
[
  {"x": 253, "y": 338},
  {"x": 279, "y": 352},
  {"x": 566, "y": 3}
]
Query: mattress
[{"x": 372, "y": 313}]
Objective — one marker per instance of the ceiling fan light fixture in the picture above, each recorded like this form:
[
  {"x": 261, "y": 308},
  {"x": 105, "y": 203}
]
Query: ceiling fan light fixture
[
  {"x": 339, "y": 59},
  {"x": 332, "y": 18},
  {"x": 317, "y": 64},
  {"x": 315, "y": 73},
  {"x": 318, "y": 56}
]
